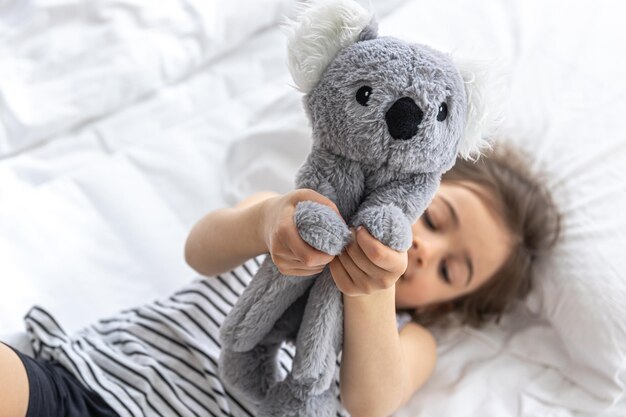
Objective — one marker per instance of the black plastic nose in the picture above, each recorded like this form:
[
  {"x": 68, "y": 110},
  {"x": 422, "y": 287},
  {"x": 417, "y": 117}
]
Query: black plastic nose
[{"x": 403, "y": 118}]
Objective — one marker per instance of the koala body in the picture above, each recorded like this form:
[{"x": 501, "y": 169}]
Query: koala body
[{"x": 388, "y": 118}]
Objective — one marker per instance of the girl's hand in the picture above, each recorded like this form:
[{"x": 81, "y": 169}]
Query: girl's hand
[
  {"x": 291, "y": 254},
  {"x": 367, "y": 266}
]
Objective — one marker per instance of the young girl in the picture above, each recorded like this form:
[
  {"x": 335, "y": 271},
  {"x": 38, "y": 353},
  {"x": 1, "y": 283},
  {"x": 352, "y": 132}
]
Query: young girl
[{"x": 472, "y": 255}]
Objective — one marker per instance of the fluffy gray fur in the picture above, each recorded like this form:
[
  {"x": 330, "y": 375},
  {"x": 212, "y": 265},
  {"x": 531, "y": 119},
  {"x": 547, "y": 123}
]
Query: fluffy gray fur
[{"x": 376, "y": 181}]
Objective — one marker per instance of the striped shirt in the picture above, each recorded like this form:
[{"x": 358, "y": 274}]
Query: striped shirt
[{"x": 159, "y": 359}]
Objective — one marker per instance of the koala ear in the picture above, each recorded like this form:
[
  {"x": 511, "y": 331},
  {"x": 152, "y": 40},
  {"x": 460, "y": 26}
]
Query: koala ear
[
  {"x": 319, "y": 33},
  {"x": 482, "y": 117},
  {"x": 369, "y": 32}
]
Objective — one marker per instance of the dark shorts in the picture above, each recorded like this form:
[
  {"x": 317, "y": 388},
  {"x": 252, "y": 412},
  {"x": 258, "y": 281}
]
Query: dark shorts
[{"x": 54, "y": 392}]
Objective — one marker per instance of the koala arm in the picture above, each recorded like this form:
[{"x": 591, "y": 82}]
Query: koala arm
[
  {"x": 314, "y": 174},
  {"x": 317, "y": 225},
  {"x": 389, "y": 211},
  {"x": 411, "y": 195},
  {"x": 227, "y": 237}
]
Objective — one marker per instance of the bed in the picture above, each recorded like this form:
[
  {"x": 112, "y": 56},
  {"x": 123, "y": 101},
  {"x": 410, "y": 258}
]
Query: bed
[{"x": 123, "y": 121}]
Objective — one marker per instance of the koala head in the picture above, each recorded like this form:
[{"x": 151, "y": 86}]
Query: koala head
[
  {"x": 379, "y": 100},
  {"x": 383, "y": 101}
]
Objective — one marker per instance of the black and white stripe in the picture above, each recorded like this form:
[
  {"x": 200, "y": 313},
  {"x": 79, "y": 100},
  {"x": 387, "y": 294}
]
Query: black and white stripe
[{"x": 159, "y": 359}]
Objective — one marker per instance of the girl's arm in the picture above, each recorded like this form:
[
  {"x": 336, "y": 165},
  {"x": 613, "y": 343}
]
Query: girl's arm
[
  {"x": 380, "y": 368},
  {"x": 263, "y": 222},
  {"x": 225, "y": 238}
]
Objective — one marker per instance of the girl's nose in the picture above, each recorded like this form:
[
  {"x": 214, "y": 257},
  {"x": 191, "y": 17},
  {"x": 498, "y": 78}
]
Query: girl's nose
[{"x": 421, "y": 252}]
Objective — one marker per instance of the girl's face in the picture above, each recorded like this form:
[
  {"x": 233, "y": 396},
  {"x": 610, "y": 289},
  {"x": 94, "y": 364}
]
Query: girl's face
[{"x": 458, "y": 244}]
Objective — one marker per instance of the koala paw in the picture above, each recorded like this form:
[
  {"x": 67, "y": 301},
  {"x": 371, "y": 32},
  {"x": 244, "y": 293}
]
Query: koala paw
[
  {"x": 321, "y": 227},
  {"x": 387, "y": 224}
]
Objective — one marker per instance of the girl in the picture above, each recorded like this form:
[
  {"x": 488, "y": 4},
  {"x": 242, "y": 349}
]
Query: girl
[{"x": 472, "y": 255}]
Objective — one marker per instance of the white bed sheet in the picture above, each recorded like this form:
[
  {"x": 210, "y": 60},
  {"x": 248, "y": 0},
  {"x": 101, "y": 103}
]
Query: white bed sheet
[{"x": 122, "y": 122}]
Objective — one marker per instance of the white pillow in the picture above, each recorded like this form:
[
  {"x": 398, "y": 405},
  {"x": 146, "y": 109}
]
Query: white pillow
[
  {"x": 581, "y": 288},
  {"x": 577, "y": 137}
]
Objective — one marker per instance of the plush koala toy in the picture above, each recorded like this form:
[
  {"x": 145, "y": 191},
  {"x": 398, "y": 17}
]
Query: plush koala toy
[{"x": 388, "y": 119}]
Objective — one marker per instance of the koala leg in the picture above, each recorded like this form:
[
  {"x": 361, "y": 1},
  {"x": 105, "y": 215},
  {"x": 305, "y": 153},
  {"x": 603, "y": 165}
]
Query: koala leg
[
  {"x": 252, "y": 373},
  {"x": 388, "y": 224},
  {"x": 321, "y": 227},
  {"x": 307, "y": 390},
  {"x": 320, "y": 336},
  {"x": 289, "y": 398},
  {"x": 263, "y": 302}
]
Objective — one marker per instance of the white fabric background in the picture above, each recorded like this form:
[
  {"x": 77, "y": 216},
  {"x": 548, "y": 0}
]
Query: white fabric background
[{"x": 122, "y": 122}]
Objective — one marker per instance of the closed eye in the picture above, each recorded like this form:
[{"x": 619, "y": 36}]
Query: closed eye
[
  {"x": 444, "y": 271},
  {"x": 428, "y": 221}
]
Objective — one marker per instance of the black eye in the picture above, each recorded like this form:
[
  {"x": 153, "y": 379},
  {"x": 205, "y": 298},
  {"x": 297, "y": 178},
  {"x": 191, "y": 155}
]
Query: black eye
[
  {"x": 363, "y": 95},
  {"x": 443, "y": 112}
]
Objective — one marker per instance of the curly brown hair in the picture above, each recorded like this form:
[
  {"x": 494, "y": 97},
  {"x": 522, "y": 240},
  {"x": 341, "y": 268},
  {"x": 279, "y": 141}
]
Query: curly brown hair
[{"x": 518, "y": 197}]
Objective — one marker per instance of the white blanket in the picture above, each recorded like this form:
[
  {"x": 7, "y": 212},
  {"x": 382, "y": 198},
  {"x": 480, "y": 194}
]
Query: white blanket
[{"x": 123, "y": 121}]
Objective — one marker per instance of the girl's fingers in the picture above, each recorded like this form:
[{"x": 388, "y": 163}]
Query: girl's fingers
[
  {"x": 285, "y": 245},
  {"x": 306, "y": 254},
  {"x": 300, "y": 272},
  {"x": 362, "y": 261},
  {"x": 341, "y": 277},
  {"x": 282, "y": 252},
  {"x": 367, "y": 282},
  {"x": 286, "y": 263},
  {"x": 381, "y": 255},
  {"x": 357, "y": 276}
]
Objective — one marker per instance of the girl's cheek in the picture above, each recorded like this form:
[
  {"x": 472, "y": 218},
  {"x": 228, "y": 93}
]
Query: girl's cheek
[
  {"x": 429, "y": 291},
  {"x": 423, "y": 291}
]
